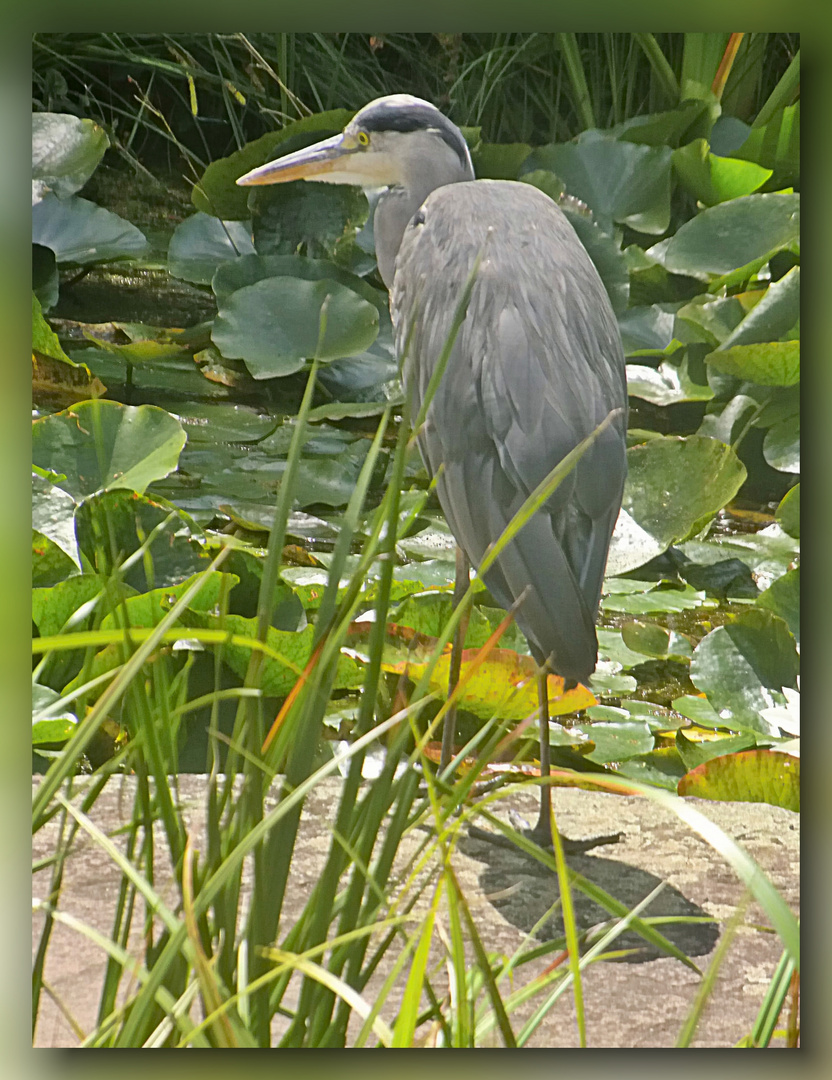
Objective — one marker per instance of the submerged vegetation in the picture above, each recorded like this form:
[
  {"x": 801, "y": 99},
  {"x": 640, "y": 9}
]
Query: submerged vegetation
[{"x": 239, "y": 565}]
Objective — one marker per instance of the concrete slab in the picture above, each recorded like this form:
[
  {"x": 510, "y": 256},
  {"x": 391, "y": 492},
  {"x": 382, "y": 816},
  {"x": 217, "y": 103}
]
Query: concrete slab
[{"x": 641, "y": 1002}]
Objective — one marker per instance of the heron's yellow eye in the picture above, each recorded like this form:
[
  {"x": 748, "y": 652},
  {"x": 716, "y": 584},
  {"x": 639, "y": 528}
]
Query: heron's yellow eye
[{"x": 363, "y": 138}]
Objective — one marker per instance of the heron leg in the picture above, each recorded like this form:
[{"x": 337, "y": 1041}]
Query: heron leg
[
  {"x": 461, "y": 582},
  {"x": 544, "y": 821}
]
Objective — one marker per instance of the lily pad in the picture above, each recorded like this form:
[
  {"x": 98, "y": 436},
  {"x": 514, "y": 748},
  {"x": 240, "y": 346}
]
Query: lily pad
[
  {"x": 738, "y": 665},
  {"x": 774, "y": 315},
  {"x": 277, "y": 324},
  {"x": 752, "y": 776},
  {"x": 788, "y": 512},
  {"x": 775, "y": 363},
  {"x": 618, "y": 740},
  {"x": 647, "y": 638},
  {"x": 112, "y": 526},
  {"x": 287, "y": 657},
  {"x": 317, "y": 220},
  {"x": 65, "y": 151},
  {"x": 82, "y": 233},
  {"x": 783, "y": 598},
  {"x": 50, "y": 563},
  {"x": 712, "y": 179},
  {"x": 53, "y": 511},
  {"x": 781, "y": 446},
  {"x": 201, "y": 243},
  {"x": 741, "y": 235},
  {"x": 621, "y": 182},
  {"x": 503, "y": 685},
  {"x": 53, "y": 607},
  {"x": 149, "y": 608},
  {"x": 217, "y": 192},
  {"x": 676, "y": 485},
  {"x": 102, "y": 445}
]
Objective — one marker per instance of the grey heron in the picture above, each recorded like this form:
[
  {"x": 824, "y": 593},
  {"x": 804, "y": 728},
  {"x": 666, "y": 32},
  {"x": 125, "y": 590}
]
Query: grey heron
[{"x": 536, "y": 366}]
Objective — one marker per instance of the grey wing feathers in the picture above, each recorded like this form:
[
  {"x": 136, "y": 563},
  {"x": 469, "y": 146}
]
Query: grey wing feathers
[{"x": 536, "y": 366}]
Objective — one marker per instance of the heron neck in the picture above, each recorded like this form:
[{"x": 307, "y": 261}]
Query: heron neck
[{"x": 396, "y": 206}]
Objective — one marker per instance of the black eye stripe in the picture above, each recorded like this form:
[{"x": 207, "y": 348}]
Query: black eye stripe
[{"x": 417, "y": 119}]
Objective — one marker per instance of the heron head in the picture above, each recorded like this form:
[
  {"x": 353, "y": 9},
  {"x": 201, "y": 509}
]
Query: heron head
[{"x": 386, "y": 144}]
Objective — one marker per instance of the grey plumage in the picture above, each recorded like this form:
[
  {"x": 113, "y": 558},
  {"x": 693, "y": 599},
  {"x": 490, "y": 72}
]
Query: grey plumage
[{"x": 537, "y": 365}]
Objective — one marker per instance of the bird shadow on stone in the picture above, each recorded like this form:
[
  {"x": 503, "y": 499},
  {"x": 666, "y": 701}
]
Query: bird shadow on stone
[{"x": 522, "y": 890}]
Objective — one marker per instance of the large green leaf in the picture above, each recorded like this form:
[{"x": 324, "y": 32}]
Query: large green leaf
[
  {"x": 741, "y": 235},
  {"x": 102, "y": 445},
  {"x": 275, "y": 325},
  {"x": 738, "y": 665},
  {"x": 776, "y": 145},
  {"x": 676, "y": 485},
  {"x": 783, "y": 598},
  {"x": 773, "y": 363},
  {"x": 499, "y": 161},
  {"x": 781, "y": 446},
  {"x": 217, "y": 192},
  {"x": 53, "y": 511},
  {"x": 80, "y": 232},
  {"x": 51, "y": 608},
  {"x": 750, "y": 776},
  {"x": 50, "y": 563},
  {"x": 712, "y": 179},
  {"x": 621, "y": 182},
  {"x": 149, "y": 608},
  {"x": 668, "y": 384},
  {"x": 250, "y": 269},
  {"x": 65, "y": 151},
  {"x": 287, "y": 657},
  {"x": 318, "y": 220},
  {"x": 202, "y": 243},
  {"x": 777, "y": 312},
  {"x": 788, "y": 512},
  {"x": 112, "y": 526}
]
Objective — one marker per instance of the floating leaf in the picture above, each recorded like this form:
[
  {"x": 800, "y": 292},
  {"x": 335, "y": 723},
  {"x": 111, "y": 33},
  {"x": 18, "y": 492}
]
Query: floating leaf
[
  {"x": 752, "y": 776},
  {"x": 115, "y": 524},
  {"x": 80, "y": 232},
  {"x": 775, "y": 314},
  {"x": 618, "y": 741},
  {"x": 288, "y": 655},
  {"x": 713, "y": 179},
  {"x": 317, "y": 220},
  {"x": 781, "y": 446},
  {"x": 217, "y": 192},
  {"x": 503, "y": 685},
  {"x": 676, "y": 485},
  {"x": 783, "y": 598},
  {"x": 50, "y": 563},
  {"x": 275, "y": 324},
  {"x": 740, "y": 664},
  {"x": 201, "y": 243},
  {"x": 788, "y": 512},
  {"x": 102, "y": 445},
  {"x": 621, "y": 182},
  {"x": 776, "y": 363},
  {"x": 695, "y": 752},
  {"x": 65, "y": 151},
  {"x": 648, "y": 638},
  {"x": 51, "y": 608},
  {"x": 739, "y": 235}
]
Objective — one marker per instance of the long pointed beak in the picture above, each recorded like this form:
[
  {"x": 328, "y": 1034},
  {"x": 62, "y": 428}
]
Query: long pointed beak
[{"x": 313, "y": 162}]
